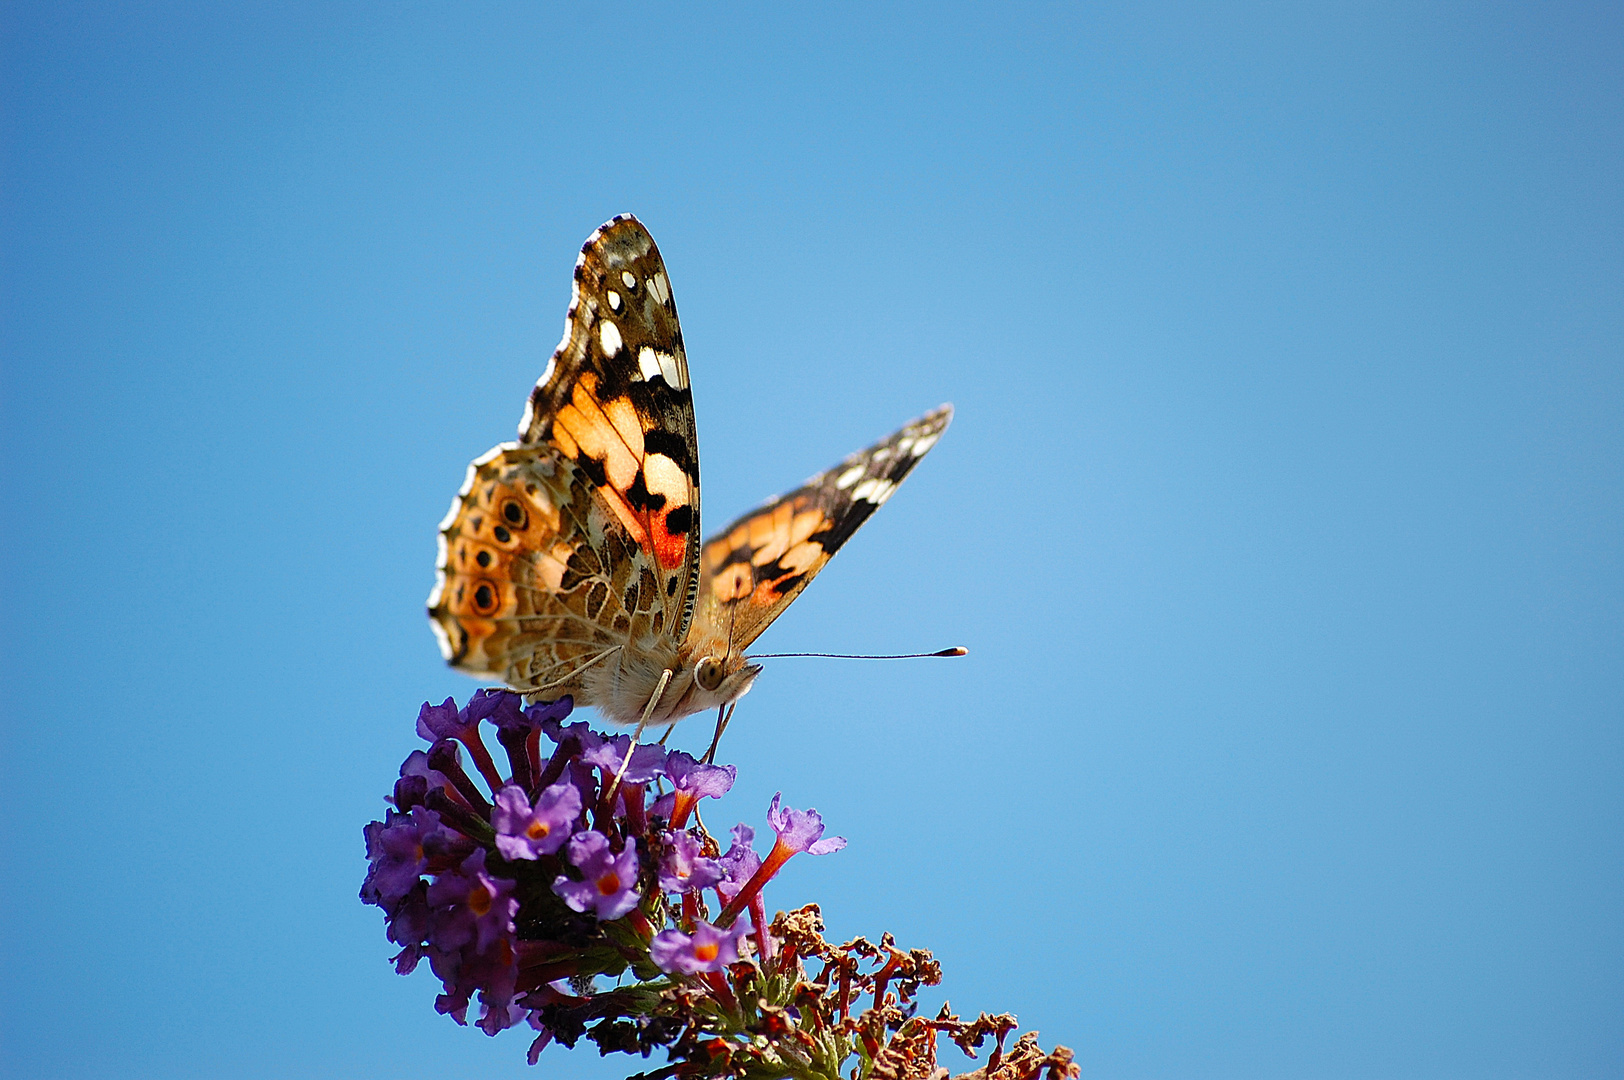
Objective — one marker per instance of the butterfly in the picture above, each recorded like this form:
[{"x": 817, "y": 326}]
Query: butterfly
[{"x": 571, "y": 562}]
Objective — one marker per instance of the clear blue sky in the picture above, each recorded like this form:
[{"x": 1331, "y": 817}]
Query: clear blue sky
[{"x": 1281, "y": 513}]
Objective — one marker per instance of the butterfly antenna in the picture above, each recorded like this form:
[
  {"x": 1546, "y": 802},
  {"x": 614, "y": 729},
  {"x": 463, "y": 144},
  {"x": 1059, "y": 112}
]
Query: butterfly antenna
[{"x": 957, "y": 650}]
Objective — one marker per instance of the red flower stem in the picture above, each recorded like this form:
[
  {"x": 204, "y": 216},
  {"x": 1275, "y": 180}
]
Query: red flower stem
[
  {"x": 556, "y": 765},
  {"x": 633, "y": 794},
  {"x": 718, "y": 985},
  {"x": 763, "y": 936},
  {"x": 513, "y": 741},
  {"x": 690, "y": 910},
  {"x": 776, "y": 858},
  {"x": 454, "y": 813},
  {"x": 482, "y": 758},
  {"x": 640, "y": 923},
  {"x": 532, "y": 753},
  {"x": 443, "y": 759},
  {"x": 682, "y": 804}
]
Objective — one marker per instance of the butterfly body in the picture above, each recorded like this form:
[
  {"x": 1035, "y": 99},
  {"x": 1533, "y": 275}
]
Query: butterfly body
[{"x": 571, "y": 562}]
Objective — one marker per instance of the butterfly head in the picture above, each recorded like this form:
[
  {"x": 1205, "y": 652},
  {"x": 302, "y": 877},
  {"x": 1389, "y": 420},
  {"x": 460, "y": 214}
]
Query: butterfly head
[{"x": 718, "y": 678}]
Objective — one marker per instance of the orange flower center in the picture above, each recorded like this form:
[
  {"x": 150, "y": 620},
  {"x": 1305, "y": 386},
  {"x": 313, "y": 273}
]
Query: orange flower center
[
  {"x": 538, "y": 830},
  {"x": 707, "y": 952},
  {"x": 609, "y": 884}
]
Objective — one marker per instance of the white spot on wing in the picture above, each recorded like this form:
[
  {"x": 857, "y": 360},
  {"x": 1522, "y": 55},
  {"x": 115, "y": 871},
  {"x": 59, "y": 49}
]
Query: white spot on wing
[
  {"x": 849, "y": 477},
  {"x": 658, "y": 286},
  {"x": 672, "y": 371},
  {"x": 609, "y": 337},
  {"x": 614, "y": 300},
  {"x": 647, "y": 363},
  {"x": 629, "y": 278},
  {"x": 874, "y": 490},
  {"x": 925, "y": 442}
]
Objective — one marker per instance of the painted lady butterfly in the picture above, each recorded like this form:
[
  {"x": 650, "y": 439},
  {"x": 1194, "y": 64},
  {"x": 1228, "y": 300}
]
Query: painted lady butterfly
[{"x": 570, "y": 562}]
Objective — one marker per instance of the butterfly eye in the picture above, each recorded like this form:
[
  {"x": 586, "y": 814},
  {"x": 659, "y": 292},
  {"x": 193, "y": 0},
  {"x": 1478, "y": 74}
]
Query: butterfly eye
[{"x": 708, "y": 673}]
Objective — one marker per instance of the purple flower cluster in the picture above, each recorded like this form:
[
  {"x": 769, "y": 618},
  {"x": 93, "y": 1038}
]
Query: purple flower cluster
[{"x": 564, "y": 866}]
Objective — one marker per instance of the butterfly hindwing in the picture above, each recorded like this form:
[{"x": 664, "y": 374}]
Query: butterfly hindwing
[
  {"x": 537, "y": 579},
  {"x": 753, "y": 568}
]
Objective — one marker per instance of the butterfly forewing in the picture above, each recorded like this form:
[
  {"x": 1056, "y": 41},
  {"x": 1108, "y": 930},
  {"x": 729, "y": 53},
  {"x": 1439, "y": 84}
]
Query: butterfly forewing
[
  {"x": 615, "y": 400},
  {"x": 753, "y": 568}
]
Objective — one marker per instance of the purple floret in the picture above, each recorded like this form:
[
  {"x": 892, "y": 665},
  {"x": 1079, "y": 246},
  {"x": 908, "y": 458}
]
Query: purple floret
[
  {"x": 799, "y": 830},
  {"x": 417, "y": 764},
  {"x": 498, "y": 707},
  {"x": 698, "y": 778},
  {"x": 610, "y": 886},
  {"x": 439, "y": 721},
  {"x": 692, "y": 781},
  {"x": 395, "y": 850},
  {"x": 648, "y": 760},
  {"x": 740, "y": 862},
  {"x": 471, "y": 906},
  {"x": 544, "y": 714},
  {"x": 526, "y": 832},
  {"x": 684, "y": 869},
  {"x": 558, "y": 732},
  {"x": 706, "y": 949},
  {"x": 494, "y": 1016}
]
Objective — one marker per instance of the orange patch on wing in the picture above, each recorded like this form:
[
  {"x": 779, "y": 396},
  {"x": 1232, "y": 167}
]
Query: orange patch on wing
[
  {"x": 595, "y": 433},
  {"x": 789, "y": 531},
  {"x": 670, "y": 549},
  {"x": 801, "y": 558},
  {"x": 478, "y": 631},
  {"x": 732, "y": 584},
  {"x": 648, "y": 530}
]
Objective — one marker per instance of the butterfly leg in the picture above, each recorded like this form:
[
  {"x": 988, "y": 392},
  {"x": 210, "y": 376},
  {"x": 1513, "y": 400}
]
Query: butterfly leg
[
  {"x": 724, "y": 714},
  {"x": 648, "y": 710}
]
